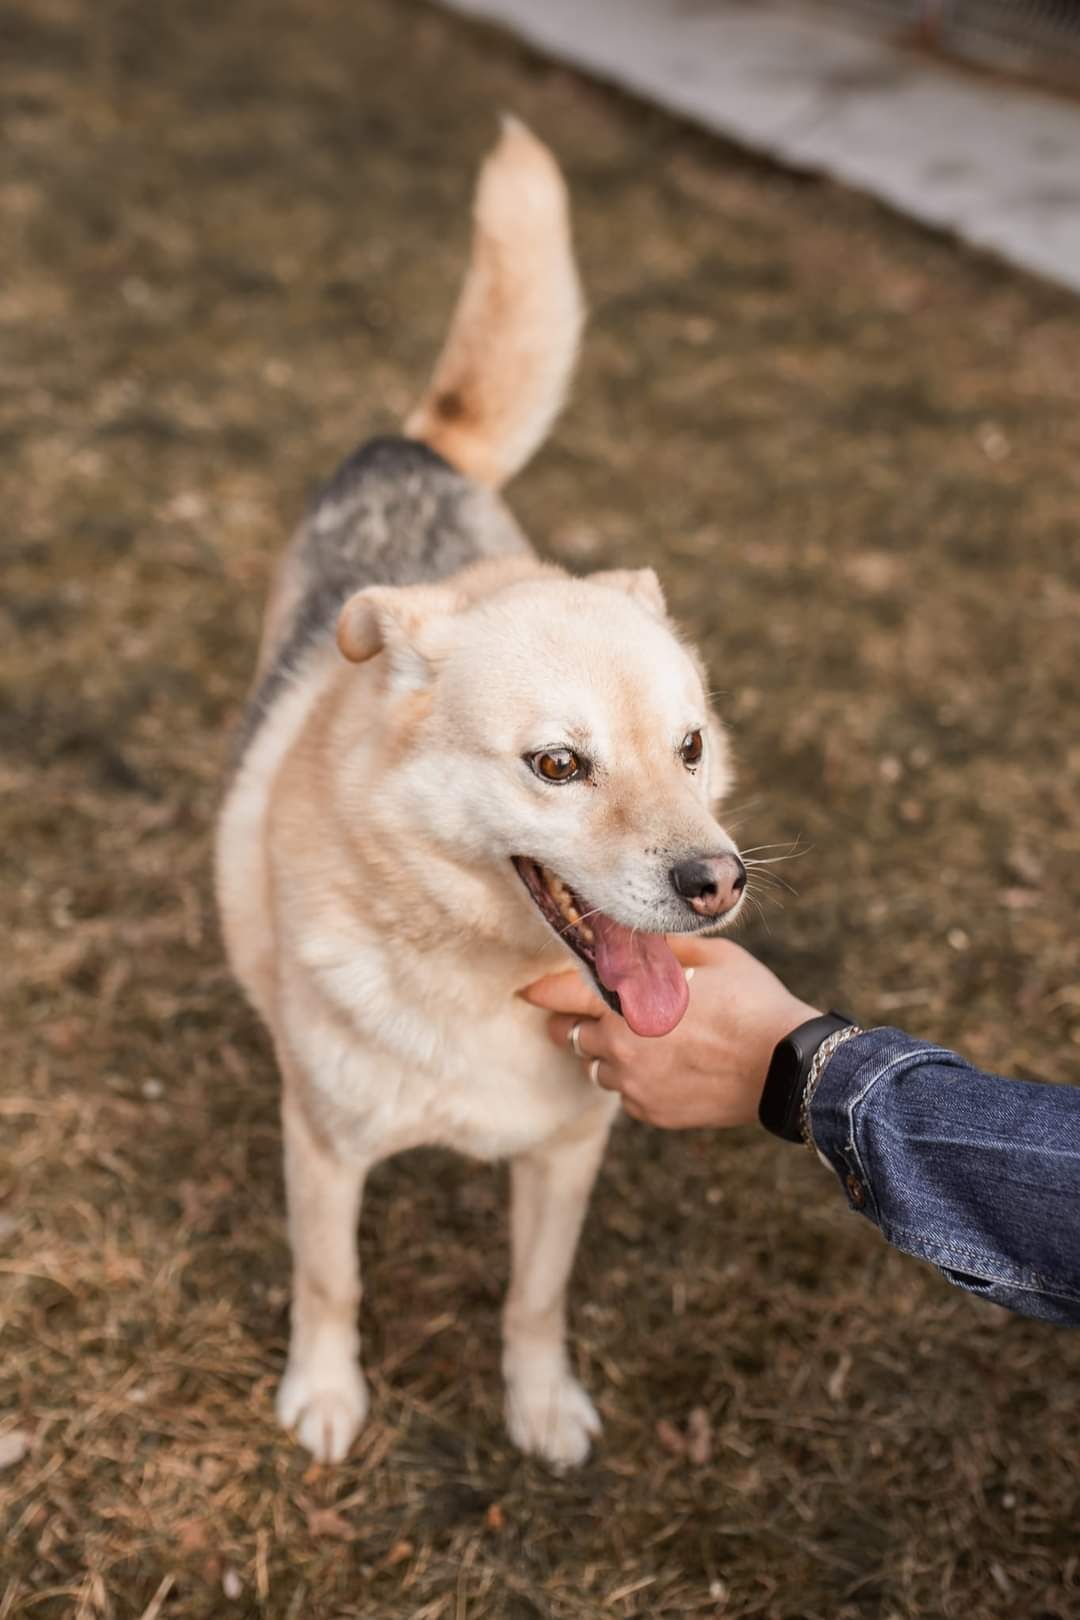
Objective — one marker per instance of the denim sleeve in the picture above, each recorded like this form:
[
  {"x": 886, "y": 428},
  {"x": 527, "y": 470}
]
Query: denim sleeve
[{"x": 977, "y": 1174}]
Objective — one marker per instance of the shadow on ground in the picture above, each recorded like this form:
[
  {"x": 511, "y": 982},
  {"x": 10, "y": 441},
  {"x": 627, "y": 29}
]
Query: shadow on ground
[{"x": 854, "y": 454}]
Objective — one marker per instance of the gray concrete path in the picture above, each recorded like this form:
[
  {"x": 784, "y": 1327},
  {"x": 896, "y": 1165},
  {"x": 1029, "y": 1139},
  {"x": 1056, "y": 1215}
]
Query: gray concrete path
[{"x": 997, "y": 163}]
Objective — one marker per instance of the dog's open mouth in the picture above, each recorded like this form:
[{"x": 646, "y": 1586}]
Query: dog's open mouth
[{"x": 637, "y": 974}]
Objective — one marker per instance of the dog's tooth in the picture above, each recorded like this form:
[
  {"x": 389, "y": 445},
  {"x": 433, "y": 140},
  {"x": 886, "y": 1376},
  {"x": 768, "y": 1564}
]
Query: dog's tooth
[
  {"x": 587, "y": 933},
  {"x": 562, "y": 895}
]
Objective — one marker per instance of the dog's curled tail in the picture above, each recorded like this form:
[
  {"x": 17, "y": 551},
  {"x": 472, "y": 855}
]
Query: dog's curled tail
[{"x": 504, "y": 370}]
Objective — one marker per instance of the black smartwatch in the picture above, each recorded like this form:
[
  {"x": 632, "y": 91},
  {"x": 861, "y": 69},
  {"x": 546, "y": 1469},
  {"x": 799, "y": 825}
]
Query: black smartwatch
[{"x": 780, "y": 1108}]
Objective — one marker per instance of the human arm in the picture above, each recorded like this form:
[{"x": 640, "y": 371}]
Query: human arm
[{"x": 977, "y": 1174}]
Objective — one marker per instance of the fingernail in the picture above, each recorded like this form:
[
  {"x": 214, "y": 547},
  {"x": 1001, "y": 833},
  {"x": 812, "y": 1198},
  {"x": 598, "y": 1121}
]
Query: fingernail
[{"x": 689, "y": 974}]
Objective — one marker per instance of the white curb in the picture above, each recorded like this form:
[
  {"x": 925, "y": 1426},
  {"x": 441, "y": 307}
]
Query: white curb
[{"x": 997, "y": 163}]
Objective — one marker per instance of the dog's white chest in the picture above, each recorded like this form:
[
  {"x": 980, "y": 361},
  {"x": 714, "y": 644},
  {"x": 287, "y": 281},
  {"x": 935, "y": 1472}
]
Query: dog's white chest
[
  {"x": 506, "y": 1092},
  {"x": 489, "y": 1087}
]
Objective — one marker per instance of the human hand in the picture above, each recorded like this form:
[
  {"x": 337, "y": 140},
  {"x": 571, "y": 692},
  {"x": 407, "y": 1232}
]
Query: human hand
[{"x": 711, "y": 1068}]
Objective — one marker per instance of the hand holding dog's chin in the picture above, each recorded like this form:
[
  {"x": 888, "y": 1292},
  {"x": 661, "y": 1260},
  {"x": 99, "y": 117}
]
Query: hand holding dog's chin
[{"x": 710, "y": 1070}]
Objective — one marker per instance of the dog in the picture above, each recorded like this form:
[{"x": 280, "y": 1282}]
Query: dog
[{"x": 459, "y": 769}]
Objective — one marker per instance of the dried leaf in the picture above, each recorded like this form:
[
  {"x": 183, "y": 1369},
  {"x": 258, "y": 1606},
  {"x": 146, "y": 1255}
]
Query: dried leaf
[
  {"x": 325, "y": 1522},
  {"x": 14, "y": 1446},
  {"x": 699, "y": 1437},
  {"x": 191, "y": 1535},
  {"x": 670, "y": 1438},
  {"x": 834, "y": 1388}
]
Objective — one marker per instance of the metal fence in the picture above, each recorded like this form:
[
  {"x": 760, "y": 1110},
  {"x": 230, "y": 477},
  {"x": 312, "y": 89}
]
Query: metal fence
[{"x": 1039, "y": 37}]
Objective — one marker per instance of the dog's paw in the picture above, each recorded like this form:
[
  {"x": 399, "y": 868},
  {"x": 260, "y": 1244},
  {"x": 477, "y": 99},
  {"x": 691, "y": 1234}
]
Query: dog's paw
[
  {"x": 326, "y": 1414},
  {"x": 552, "y": 1418}
]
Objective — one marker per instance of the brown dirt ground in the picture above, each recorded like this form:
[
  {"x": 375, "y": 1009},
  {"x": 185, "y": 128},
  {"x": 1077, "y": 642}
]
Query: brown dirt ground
[{"x": 853, "y": 450}]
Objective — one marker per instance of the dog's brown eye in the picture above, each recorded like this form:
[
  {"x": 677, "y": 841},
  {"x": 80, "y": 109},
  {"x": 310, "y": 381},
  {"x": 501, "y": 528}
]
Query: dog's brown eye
[
  {"x": 556, "y": 765},
  {"x": 692, "y": 748}
]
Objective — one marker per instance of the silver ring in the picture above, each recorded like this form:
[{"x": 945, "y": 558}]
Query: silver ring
[
  {"x": 593, "y": 1071},
  {"x": 573, "y": 1040}
]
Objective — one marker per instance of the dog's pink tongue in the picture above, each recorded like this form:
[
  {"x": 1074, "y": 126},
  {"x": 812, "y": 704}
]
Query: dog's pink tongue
[{"x": 643, "y": 972}]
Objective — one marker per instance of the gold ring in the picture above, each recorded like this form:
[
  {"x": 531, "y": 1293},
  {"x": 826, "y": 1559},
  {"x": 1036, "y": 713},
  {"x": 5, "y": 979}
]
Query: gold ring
[
  {"x": 593, "y": 1072},
  {"x": 573, "y": 1041}
]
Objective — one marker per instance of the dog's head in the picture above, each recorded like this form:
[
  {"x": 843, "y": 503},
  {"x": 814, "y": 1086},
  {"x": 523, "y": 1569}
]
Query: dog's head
[{"x": 559, "y": 731}]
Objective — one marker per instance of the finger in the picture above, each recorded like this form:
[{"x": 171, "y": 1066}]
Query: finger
[
  {"x": 693, "y": 951},
  {"x": 690, "y": 950},
  {"x": 560, "y": 1026},
  {"x": 607, "y": 1076},
  {"x": 563, "y": 993}
]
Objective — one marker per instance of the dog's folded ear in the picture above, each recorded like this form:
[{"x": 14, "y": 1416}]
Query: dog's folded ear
[
  {"x": 640, "y": 583},
  {"x": 408, "y": 624}
]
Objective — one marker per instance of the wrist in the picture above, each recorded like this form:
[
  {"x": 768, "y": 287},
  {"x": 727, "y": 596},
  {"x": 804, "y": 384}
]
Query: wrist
[
  {"x": 758, "y": 1055},
  {"x": 777, "y": 1028}
]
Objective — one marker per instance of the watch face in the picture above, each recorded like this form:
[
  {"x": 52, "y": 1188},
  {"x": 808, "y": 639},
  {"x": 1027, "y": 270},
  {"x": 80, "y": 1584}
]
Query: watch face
[
  {"x": 787, "y": 1062},
  {"x": 781, "y": 1088}
]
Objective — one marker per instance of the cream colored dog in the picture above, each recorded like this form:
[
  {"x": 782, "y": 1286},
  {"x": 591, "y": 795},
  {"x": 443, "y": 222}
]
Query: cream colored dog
[{"x": 493, "y": 768}]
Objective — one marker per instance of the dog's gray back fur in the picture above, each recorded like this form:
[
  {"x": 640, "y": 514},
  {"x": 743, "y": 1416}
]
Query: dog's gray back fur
[{"x": 394, "y": 513}]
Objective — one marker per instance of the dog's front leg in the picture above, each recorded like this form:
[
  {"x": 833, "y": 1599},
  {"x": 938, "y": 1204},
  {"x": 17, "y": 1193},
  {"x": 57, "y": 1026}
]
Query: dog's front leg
[
  {"x": 547, "y": 1411},
  {"x": 322, "y": 1395}
]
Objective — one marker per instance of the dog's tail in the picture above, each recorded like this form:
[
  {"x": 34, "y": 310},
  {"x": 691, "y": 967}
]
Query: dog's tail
[{"x": 503, "y": 373}]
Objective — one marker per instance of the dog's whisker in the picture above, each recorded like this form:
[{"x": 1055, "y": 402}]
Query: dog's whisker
[
  {"x": 787, "y": 887},
  {"x": 764, "y": 875},
  {"x": 773, "y": 880},
  {"x": 760, "y": 896},
  {"x": 743, "y": 807},
  {"x": 756, "y": 861},
  {"x": 768, "y": 876},
  {"x": 753, "y": 900}
]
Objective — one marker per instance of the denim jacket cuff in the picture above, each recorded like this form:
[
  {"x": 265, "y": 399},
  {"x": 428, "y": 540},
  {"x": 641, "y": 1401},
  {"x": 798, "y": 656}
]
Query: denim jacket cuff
[
  {"x": 977, "y": 1174},
  {"x": 850, "y": 1076}
]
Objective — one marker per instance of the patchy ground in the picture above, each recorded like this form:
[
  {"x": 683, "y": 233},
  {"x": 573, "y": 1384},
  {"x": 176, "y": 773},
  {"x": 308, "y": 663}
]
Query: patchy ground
[{"x": 854, "y": 453}]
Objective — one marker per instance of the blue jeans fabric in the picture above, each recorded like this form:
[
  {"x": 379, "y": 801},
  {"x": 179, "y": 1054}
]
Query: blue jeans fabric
[{"x": 977, "y": 1174}]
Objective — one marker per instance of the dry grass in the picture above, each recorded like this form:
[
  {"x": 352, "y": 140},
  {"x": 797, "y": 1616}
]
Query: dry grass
[{"x": 854, "y": 453}]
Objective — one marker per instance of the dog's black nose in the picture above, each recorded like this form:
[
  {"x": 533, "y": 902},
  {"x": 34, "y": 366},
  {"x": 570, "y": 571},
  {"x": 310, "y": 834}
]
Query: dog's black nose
[{"x": 710, "y": 883}]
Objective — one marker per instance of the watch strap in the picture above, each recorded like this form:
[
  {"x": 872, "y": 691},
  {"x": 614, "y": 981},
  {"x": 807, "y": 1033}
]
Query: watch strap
[{"x": 781, "y": 1106}]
